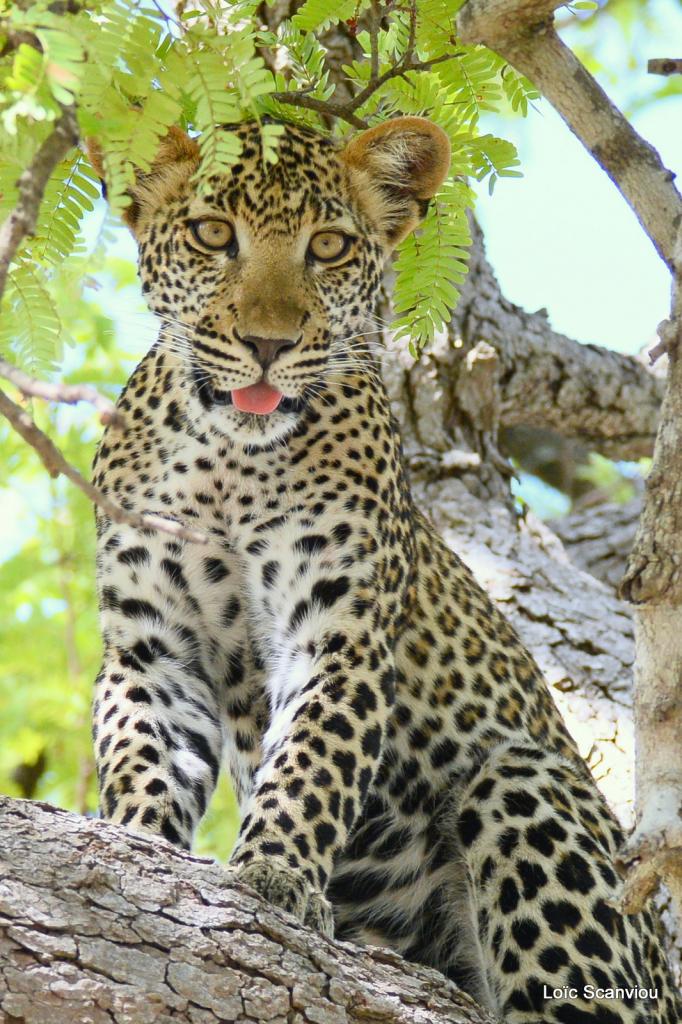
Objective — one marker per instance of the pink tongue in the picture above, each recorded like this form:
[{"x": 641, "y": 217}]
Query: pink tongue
[{"x": 259, "y": 398}]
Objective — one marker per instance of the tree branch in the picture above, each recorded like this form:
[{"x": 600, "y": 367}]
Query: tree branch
[
  {"x": 609, "y": 401},
  {"x": 69, "y": 394},
  {"x": 99, "y": 924},
  {"x": 56, "y": 464},
  {"x": 665, "y": 66},
  {"x": 374, "y": 18},
  {"x": 522, "y": 32},
  {"x": 14, "y": 38},
  {"x": 347, "y": 111},
  {"x": 598, "y": 539},
  {"x": 22, "y": 220},
  {"x": 324, "y": 107}
]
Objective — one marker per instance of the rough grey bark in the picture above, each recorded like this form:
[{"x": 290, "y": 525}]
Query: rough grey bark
[
  {"x": 609, "y": 401},
  {"x": 599, "y": 539},
  {"x": 103, "y": 927},
  {"x": 653, "y": 584}
]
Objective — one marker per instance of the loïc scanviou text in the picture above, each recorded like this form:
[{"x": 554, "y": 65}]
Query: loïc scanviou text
[{"x": 595, "y": 992}]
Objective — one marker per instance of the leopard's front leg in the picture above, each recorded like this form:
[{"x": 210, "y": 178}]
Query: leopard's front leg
[
  {"x": 331, "y": 694},
  {"x": 174, "y": 652}
]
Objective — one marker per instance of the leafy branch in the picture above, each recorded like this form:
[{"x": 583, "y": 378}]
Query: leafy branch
[
  {"x": 19, "y": 224},
  {"x": 32, "y": 184},
  {"x": 348, "y": 111},
  {"x": 665, "y": 66}
]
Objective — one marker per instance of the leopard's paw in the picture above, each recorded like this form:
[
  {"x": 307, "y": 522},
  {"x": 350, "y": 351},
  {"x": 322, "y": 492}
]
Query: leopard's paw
[
  {"x": 277, "y": 884},
  {"x": 289, "y": 890},
  {"x": 319, "y": 915}
]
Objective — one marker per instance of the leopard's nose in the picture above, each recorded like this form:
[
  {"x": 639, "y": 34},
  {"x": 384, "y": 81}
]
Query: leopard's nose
[{"x": 266, "y": 350}]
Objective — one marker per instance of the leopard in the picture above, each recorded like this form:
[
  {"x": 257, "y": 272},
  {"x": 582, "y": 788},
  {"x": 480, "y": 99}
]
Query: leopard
[{"x": 403, "y": 775}]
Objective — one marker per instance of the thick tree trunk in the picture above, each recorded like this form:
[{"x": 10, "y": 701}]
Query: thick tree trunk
[
  {"x": 653, "y": 583},
  {"x": 103, "y": 927}
]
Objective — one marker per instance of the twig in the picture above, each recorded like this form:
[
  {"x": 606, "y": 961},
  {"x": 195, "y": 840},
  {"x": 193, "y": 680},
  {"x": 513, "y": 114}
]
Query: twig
[
  {"x": 396, "y": 72},
  {"x": 405, "y": 64},
  {"x": 168, "y": 18},
  {"x": 412, "y": 36},
  {"x": 14, "y": 38},
  {"x": 639, "y": 886},
  {"x": 374, "y": 19},
  {"x": 340, "y": 110},
  {"x": 667, "y": 335},
  {"x": 346, "y": 111},
  {"x": 56, "y": 464},
  {"x": 22, "y": 220},
  {"x": 665, "y": 66},
  {"x": 68, "y": 394}
]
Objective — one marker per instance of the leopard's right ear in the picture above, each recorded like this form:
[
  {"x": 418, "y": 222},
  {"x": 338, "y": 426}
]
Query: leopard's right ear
[
  {"x": 398, "y": 165},
  {"x": 176, "y": 151}
]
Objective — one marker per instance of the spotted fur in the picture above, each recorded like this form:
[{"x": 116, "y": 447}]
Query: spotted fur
[{"x": 403, "y": 773}]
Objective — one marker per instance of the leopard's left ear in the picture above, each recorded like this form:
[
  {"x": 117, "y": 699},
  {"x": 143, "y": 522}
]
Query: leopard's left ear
[
  {"x": 177, "y": 155},
  {"x": 403, "y": 161}
]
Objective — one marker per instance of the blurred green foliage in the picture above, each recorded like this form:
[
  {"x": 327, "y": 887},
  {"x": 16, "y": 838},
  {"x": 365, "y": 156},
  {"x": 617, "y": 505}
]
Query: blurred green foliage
[{"x": 49, "y": 643}]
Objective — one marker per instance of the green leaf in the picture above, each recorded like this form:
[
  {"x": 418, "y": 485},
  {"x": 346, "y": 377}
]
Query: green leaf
[
  {"x": 318, "y": 15},
  {"x": 30, "y": 327},
  {"x": 431, "y": 264}
]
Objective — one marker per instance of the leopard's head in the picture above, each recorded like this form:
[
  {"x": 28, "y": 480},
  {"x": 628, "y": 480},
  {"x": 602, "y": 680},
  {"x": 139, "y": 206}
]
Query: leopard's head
[{"x": 266, "y": 278}]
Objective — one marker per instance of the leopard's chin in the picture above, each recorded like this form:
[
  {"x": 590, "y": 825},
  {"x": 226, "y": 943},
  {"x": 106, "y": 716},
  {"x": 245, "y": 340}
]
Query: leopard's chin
[{"x": 251, "y": 429}]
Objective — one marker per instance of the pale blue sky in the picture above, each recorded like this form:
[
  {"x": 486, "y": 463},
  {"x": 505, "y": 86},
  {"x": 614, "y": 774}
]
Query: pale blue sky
[{"x": 562, "y": 237}]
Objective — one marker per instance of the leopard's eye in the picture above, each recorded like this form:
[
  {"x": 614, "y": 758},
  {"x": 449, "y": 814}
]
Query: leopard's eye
[
  {"x": 215, "y": 235},
  {"x": 329, "y": 246}
]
